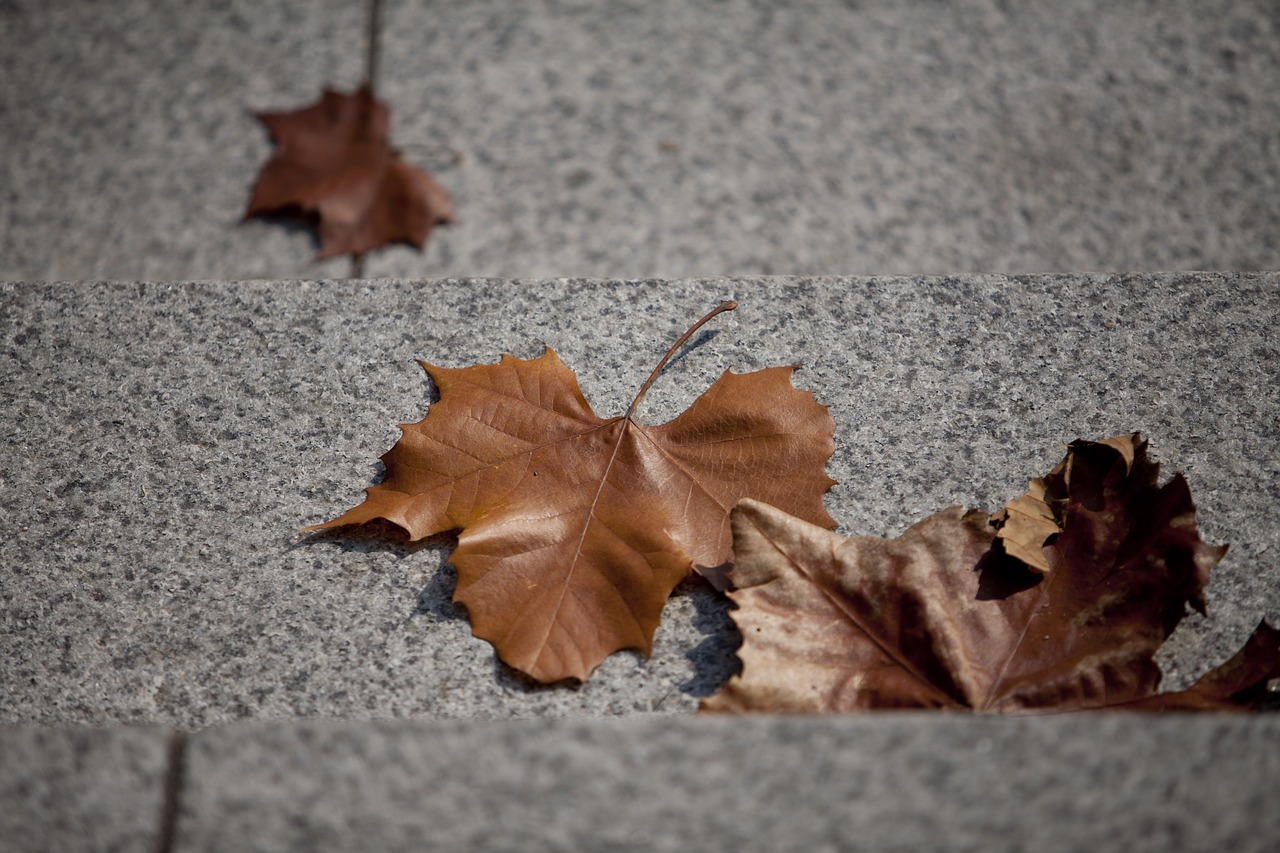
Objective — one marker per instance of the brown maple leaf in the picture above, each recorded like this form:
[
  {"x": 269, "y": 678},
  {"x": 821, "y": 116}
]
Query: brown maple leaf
[
  {"x": 333, "y": 162},
  {"x": 576, "y": 528},
  {"x": 944, "y": 617}
]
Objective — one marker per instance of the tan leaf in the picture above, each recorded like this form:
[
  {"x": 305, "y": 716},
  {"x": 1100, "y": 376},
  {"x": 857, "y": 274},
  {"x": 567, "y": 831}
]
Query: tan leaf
[
  {"x": 575, "y": 528},
  {"x": 1025, "y": 526}
]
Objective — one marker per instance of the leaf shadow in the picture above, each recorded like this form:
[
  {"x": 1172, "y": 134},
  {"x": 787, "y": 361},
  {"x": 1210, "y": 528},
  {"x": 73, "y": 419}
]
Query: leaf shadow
[
  {"x": 372, "y": 536},
  {"x": 510, "y": 678},
  {"x": 715, "y": 659},
  {"x": 292, "y": 220},
  {"x": 435, "y": 599},
  {"x": 1001, "y": 576},
  {"x": 703, "y": 338}
]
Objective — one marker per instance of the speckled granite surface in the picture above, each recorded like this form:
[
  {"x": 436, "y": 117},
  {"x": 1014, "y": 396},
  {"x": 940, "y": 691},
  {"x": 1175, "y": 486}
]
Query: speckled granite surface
[
  {"x": 165, "y": 442},
  {"x": 660, "y": 139},
  {"x": 886, "y": 782}
]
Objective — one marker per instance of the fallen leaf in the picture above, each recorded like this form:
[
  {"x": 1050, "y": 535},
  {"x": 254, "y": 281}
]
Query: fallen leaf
[
  {"x": 576, "y": 528},
  {"x": 945, "y": 615},
  {"x": 332, "y": 161}
]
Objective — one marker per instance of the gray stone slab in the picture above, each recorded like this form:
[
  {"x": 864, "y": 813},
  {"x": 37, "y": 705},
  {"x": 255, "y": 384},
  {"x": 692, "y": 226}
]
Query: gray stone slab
[
  {"x": 674, "y": 139},
  {"x": 879, "y": 782},
  {"x": 127, "y": 143},
  {"x": 163, "y": 443},
  {"x": 64, "y": 789},
  {"x": 659, "y": 140}
]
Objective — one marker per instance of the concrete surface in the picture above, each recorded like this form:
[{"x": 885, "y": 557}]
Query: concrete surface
[
  {"x": 165, "y": 441},
  {"x": 659, "y": 140},
  {"x": 76, "y": 789}
]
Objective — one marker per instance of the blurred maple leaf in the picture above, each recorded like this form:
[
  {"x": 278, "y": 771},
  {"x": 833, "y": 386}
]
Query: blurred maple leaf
[
  {"x": 575, "y": 528},
  {"x": 1057, "y": 603},
  {"x": 333, "y": 162}
]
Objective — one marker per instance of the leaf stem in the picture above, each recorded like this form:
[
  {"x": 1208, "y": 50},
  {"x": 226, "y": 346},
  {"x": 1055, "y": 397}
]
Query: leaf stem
[{"x": 727, "y": 305}]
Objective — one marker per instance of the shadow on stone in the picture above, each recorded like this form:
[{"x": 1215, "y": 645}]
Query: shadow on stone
[
  {"x": 704, "y": 337},
  {"x": 1001, "y": 576},
  {"x": 292, "y": 220},
  {"x": 715, "y": 659},
  {"x": 510, "y": 678},
  {"x": 376, "y": 535},
  {"x": 436, "y": 598}
]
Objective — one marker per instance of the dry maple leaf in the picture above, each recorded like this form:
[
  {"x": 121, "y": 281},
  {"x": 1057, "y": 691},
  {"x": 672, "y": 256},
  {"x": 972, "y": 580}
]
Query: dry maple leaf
[
  {"x": 944, "y": 617},
  {"x": 576, "y": 528},
  {"x": 332, "y": 161}
]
